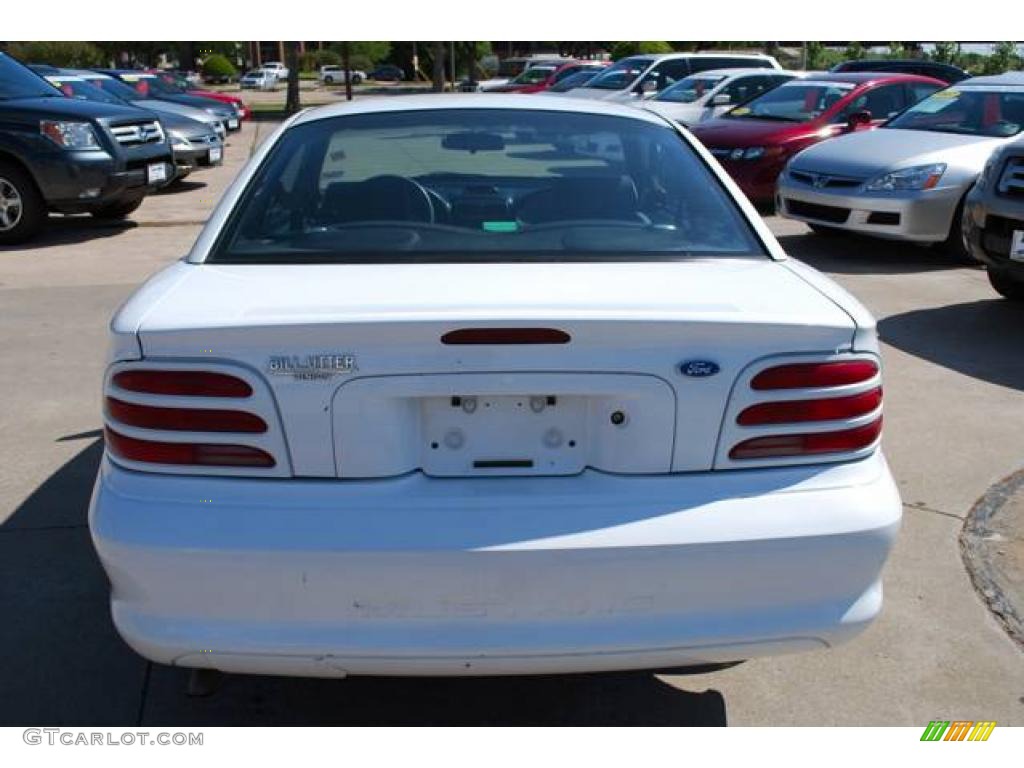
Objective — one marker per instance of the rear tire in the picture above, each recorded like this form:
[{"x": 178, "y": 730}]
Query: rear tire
[
  {"x": 1005, "y": 285},
  {"x": 118, "y": 210},
  {"x": 22, "y": 208}
]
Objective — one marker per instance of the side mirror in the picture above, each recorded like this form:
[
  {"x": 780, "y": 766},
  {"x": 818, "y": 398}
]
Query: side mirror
[
  {"x": 645, "y": 87},
  {"x": 858, "y": 120},
  {"x": 721, "y": 99}
]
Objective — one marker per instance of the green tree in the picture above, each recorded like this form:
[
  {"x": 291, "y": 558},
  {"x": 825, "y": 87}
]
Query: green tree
[
  {"x": 311, "y": 61},
  {"x": 623, "y": 48},
  {"x": 815, "y": 55},
  {"x": 855, "y": 50},
  {"x": 145, "y": 53},
  {"x": 946, "y": 52},
  {"x": 820, "y": 57},
  {"x": 897, "y": 51},
  {"x": 372, "y": 51},
  {"x": 437, "y": 64},
  {"x": 58, "y": 53},
  {"x": 217, "y": 68},
  {"x": 1003, "y": 58}
]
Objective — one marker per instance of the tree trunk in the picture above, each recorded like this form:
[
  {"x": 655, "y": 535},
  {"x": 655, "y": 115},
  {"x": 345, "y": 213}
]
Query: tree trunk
[
  {"x": 438, "y": 54},
  {"x": 291, "y": 104},
  {"x": 187, "y": 56},
  {"x": 472, "y": 62},
  {"x": 346, "y": 62}
]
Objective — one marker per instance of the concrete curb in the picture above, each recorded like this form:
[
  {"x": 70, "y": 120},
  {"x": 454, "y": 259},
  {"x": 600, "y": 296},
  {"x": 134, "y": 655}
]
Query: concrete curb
[{"x": 976, "y": 540}]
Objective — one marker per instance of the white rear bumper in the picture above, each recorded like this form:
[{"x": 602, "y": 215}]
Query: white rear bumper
[{"x": 414, "y": 575}]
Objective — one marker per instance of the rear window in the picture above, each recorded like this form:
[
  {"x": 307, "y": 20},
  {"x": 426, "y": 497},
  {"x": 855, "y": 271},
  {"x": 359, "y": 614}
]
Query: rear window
[{"x": 482, "y": 185}]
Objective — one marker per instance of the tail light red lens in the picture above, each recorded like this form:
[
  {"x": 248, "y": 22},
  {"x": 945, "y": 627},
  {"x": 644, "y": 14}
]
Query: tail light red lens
[
  {"x": 202, "y": 454},
  {"x": 796, "y": 411},
  {"x": 184, "y": 383},
  {"x": 506, "y": 336},
  {"x": 812, "y": 375},
  {"x": 808, "y": 444},
  {"x": 183, "y": 419}
]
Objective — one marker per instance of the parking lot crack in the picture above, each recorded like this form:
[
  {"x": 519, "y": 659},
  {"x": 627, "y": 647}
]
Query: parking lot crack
[
  {"x": 144, "y": 693},
  {"x": 922, "y": 507}
]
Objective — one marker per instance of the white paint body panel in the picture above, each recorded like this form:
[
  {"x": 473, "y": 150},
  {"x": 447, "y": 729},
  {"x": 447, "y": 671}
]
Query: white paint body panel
[
  {"x": 347, "y": 557},
  {"x": 414, "y": 575}
]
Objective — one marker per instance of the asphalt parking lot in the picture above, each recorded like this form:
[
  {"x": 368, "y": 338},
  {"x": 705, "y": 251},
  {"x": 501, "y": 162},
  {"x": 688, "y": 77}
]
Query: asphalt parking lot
[{"x": 954, "y": 354}]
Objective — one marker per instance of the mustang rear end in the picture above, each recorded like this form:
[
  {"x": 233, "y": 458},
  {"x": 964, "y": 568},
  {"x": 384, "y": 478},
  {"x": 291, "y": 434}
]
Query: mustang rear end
[{"x": 489, "y": 385}]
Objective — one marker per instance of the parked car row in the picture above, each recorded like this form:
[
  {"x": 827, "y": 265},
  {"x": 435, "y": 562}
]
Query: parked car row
[
  {"x": 945, "y": 167},
  {"x": 911, "y": 179},
  {"x": 99, "y": 141}
]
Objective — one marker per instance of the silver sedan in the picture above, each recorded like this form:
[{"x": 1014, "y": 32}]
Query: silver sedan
[{"x": 908, "y": 179}]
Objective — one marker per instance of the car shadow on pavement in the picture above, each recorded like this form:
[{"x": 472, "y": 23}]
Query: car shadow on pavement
[
  {"x": 178, "y": 187},
  {"x": 607, "y": 699},
  {"x": 62, "y": 662},
  {"x": 71, "y": 230},
  {"x": 853, "y": 255},
  {"x": 981, "y": 339}
]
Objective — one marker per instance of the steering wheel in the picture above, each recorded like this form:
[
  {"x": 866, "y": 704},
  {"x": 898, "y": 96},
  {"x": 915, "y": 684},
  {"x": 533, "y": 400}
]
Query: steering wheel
[{"x": 387, "y": 192}]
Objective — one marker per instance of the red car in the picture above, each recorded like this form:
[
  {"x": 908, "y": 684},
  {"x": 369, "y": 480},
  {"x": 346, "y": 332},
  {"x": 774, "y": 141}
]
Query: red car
[
  {"x": 180, "y": 81},
  {"x": 754, "y": 141},
  {"x": 539, "y": 77}
]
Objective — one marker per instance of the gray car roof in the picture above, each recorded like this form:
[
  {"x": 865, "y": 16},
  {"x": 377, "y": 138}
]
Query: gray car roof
[{"x": 1007, "y": 78}]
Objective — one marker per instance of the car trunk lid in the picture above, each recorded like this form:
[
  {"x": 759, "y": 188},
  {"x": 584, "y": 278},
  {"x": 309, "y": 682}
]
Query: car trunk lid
[{"x": 365, "y": 385}]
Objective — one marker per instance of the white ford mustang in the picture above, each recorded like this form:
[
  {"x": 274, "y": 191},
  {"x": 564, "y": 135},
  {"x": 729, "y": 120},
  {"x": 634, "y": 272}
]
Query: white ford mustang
[{"x": 465, "y": 385}]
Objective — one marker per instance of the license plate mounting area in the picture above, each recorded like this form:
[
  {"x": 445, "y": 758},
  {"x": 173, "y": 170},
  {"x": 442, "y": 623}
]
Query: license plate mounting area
[{"x": 502, "y": 424}]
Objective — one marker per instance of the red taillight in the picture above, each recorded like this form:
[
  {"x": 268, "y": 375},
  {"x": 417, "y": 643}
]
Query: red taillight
[
  {"x": 808, "y": 444},
  {"x": 184, "y": 419},
  {"x": 185, "y": 383},
  {"x": 795, "y": 411},
  {"x": 812, "y": 375},
  {"x": 203, "y": 454}
]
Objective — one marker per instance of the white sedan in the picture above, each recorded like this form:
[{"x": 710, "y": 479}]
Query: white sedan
[
  {"x": 706, "y": 95},
  {"x": 437, "y": 392}
]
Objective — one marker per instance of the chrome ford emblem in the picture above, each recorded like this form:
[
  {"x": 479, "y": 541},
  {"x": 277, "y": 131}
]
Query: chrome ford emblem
[{"x": 698, "y": 369}]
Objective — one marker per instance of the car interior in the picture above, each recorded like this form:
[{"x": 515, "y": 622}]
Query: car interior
[{"x": 494, "y": 186}]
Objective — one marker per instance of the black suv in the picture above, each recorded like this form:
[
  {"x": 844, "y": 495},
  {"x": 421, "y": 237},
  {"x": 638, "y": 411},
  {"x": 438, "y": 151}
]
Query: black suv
[
  {"x": 937, "y": 69},
  {"x": 71, "y": 156},
  {"x": 993, "y": 223}
]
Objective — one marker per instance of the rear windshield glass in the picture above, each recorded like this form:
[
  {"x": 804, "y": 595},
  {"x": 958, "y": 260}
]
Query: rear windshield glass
[{"x": 482, "y": 185}]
